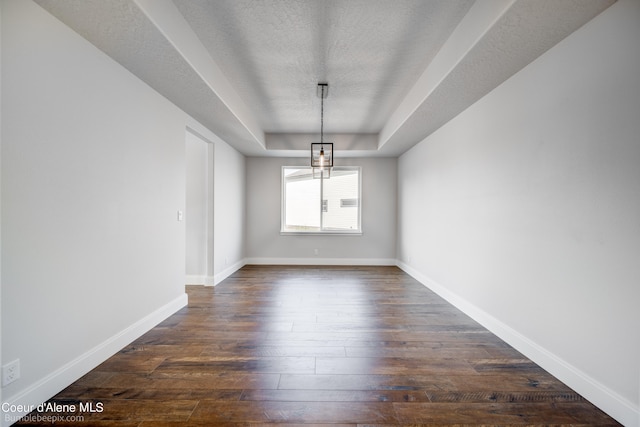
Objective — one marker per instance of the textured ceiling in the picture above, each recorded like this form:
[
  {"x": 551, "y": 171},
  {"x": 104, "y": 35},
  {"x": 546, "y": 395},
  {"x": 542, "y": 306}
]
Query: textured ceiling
[
  {"x": 274, "y": 53},
  {"x": 397, "y": 69}
]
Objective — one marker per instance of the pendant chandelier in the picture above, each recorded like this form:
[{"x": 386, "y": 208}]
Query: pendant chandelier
[{"x": 322, "y": 152}]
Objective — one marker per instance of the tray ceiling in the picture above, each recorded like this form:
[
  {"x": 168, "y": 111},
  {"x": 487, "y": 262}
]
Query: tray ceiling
[{"x": 397, "y": 69}]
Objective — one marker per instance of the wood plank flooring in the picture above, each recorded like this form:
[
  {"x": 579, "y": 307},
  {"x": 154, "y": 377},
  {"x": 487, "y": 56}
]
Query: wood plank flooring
[{"x": 339, "y": 346}]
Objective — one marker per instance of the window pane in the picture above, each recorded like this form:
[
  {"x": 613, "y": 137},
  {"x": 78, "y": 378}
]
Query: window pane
[
  {"x": 321, "y": 205},
  {"x": 341, "y": 194},
  {"x": 302, "y": 200}
]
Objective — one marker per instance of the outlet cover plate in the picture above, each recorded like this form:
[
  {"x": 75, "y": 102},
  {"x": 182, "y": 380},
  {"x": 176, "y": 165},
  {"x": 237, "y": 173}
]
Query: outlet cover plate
[{"x": 10, "y": 372}]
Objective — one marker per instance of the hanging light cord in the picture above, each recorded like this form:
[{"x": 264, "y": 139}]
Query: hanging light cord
[{"x": 322, "y": 119}]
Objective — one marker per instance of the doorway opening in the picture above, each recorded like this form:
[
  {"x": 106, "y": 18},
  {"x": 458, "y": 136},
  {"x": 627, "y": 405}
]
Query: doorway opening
[{"x": 198, "y": 209}]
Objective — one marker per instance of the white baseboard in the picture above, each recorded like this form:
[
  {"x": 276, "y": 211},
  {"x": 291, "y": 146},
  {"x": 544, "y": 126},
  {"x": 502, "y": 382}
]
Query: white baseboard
[
  {"x": 214, "y": 280},
  {"x": 199, "y": 280},
  {"x": 321, "y": 261},
  {"x": 623, "y": 410},
  {"x": 227, "y": 272},
  {"x": 194, "y": 280},
  {"x": 57, "y": 380}
]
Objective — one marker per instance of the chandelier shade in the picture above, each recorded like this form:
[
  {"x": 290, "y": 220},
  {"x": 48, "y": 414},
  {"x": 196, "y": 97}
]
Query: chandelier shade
[{"x": 322, "y": 155}]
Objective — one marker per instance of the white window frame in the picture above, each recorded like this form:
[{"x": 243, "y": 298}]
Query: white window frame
[{"x": 357, "y": 231}]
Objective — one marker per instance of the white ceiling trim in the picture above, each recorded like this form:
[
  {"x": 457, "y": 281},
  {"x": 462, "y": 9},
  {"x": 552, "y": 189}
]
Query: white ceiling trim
[
  {"x": 514, "y": 37},
  {"x": 476, "y": 52},
  {"x": 477, "y": 22},
  {"x": 344, "y": 145},
  {"x": 170, "y": 22}
]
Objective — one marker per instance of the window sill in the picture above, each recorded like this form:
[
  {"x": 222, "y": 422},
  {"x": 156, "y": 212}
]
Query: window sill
[{"x": 321, "y": 233}]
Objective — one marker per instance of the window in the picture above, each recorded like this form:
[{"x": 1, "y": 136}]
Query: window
[{"x": 320, "y": 205}]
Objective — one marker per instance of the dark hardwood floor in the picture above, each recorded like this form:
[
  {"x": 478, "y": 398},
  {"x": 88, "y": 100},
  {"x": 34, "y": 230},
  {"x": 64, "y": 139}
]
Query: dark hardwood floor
[{"x": 339, "y": 346}]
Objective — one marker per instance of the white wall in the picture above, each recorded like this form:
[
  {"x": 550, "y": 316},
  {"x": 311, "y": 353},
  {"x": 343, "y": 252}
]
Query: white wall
[
  {"x": 376, "y": 245},
  {"x": 525, "y": 210},
  {"x": 196, "y": 208},
  {"x": 1, "y": 360},
  {"x": 93, "y": 173}
]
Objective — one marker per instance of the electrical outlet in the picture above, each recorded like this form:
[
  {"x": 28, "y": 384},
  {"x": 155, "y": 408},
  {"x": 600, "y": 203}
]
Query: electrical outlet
[{"x": 10, "y": 372}]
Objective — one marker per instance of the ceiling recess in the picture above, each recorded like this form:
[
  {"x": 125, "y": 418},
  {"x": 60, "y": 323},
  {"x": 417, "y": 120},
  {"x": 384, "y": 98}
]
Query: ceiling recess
[{"x": 399, "y": 69}]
